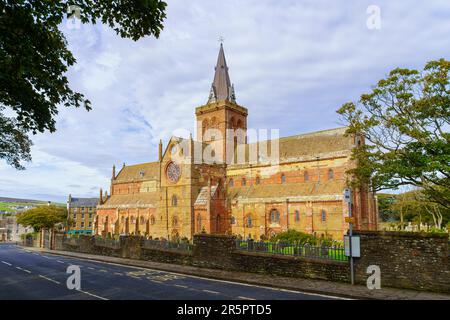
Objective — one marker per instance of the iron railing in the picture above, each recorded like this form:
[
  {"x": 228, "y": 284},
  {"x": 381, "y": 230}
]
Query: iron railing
[
  {"x": 299, "y": 250},
  {"x": 163, "y": 244}
]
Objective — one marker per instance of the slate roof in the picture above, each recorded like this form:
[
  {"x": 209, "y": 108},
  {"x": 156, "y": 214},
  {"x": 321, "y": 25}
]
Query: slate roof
[
  {"x": 325, "y": 190},
  {"x": 137, "y": 200},
  {"x": 202, "y": 197},
  {"x": 306, "y": 147},
  {"x": 83, "y": 202},
  {"x": 139, "y": 172}
]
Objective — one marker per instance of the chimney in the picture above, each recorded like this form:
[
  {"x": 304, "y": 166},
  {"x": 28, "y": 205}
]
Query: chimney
[
  {"x": 101, "y": 196},
  {"x": 114, "y": 172},
  {"x": 160, "y": 151}
]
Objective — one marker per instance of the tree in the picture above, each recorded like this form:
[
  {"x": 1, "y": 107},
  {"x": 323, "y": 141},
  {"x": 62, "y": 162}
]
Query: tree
[
  {"x": 43, "y": 217},
  {"x": 34, "y": 58},
  {"x": 405, "y": 122}
]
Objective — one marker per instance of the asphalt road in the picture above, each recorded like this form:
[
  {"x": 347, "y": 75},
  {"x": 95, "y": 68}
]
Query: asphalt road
[{"x": 27, "y": 274}]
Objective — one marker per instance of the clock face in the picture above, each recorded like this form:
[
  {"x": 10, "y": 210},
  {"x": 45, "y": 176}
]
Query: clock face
[{"x": 173, "y": 172}]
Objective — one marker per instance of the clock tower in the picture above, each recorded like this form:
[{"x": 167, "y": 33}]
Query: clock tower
[{"x": 221, "y": 122}]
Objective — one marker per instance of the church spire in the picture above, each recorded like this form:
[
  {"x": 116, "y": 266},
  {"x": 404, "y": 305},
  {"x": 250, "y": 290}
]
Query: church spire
[{"x": 221, "y": 88}]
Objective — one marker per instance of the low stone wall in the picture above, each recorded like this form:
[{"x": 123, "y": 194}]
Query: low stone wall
[{"x": 406, "y": 259}]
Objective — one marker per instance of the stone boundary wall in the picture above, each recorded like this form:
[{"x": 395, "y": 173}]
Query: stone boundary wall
[
  {"x": 406, "y": 260},
  {"x": 409, "y": 260}
]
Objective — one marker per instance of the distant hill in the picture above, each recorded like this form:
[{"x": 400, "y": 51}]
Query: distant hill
[{"x": 16, "y": 200}]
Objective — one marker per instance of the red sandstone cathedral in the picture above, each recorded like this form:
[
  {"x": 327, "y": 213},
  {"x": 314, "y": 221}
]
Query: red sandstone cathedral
[{"x": 219, "y": 183}]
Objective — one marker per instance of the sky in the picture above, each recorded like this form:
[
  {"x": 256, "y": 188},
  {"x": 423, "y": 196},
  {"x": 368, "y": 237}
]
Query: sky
[{"x": 293, "y": 64}]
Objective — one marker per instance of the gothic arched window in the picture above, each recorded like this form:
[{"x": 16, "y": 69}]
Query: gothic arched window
[
  {"x": 274, "y": 216},
  {"x": 249, "y": 221},
  {"x": 142, "y": 220},
  {"x": 324, "y": 215},
  {"x": 152, "y": 220},
  {"x": 330, "y": 174},
  {"x": 174, "y": 201},
  {"x": 306, "y": 176},
  {"x": 297, "y": 215},
  {"x": 283, "y": 178}
]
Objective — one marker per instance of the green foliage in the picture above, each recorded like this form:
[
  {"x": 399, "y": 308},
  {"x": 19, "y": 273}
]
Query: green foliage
[
  {"x": 405, "y": 121},
  {"x": 42, "y": 217},
  {"x": 297, "y": 237},
  {"x": 34, "y": 59},
  {"x": 385, "y": 208}
]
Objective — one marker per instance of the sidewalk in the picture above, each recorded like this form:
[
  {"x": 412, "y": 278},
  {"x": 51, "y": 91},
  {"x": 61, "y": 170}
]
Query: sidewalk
[{"x": 297, "y": 284}]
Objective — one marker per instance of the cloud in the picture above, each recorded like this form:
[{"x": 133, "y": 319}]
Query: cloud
[{"x": 293, "y": 64}]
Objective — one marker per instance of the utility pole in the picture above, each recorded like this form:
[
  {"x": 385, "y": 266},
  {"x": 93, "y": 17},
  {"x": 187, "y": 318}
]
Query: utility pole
[{"x": 348, "y": 199}]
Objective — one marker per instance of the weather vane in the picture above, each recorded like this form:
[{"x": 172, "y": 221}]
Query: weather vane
[{"x": 221, "y": 39}]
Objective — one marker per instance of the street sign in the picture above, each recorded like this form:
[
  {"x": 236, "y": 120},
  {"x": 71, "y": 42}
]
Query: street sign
[
  {"x": 348, "y": 195},
  {"x": 350, "y": 219},
  {"x": 355, "y": 246}
]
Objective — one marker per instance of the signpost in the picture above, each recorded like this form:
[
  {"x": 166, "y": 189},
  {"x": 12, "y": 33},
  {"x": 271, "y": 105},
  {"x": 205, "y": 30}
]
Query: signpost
[{"x": 348, "y": 200}]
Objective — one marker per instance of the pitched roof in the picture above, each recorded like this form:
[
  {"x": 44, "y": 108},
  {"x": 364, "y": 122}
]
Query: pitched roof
[
  {"x": 307, "y": 147},
  {"x": 136, "y": 200},
  {"x": 310, "y": 190},
  {"x": 139, "y": 172},
  {"x": 221, "y": 88},
  {"x": 83, "y": 202},
  {"x": 202, "y": 197}
]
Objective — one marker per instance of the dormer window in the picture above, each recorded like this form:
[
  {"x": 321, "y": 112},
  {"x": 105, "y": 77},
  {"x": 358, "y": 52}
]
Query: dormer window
[{"x": 141, "y": 173}]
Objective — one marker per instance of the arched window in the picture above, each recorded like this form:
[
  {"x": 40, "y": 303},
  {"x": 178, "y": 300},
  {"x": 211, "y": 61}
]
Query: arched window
[
  {"x": 142, "y": 220},
  {"x": 258, "y": 180},
  {"x": 174, "y": 201},
  {"x": 174, "y": 221},
  {"x": 133, "y": 220},
  {"x": 249, "y": 221},
  {"x": 199, "y": 223},
  {"x": 152, "y": 220},
  {"x": 330, "y": 174},
  {"x": 244, "y": 182},
  {"x": 306, "y": 176},
  {"x": 283, "y": 178},
  {"x": 233, "y": 220},
  {"x": 324, "y": 215},
  {"x": 231, "y": 182},
  {"x": 297, "y": 215},
  {"x": 274, "y": 216}
]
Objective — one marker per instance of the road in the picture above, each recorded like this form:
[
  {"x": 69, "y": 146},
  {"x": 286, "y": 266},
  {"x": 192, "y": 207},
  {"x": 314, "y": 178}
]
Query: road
[{"x": 25, "y": 274}]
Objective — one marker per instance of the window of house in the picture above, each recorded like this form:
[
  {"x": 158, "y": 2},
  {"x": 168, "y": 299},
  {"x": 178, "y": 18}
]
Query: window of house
[
  {"x": 82, "y": 216},
  {"x": 233, "y": 220},
  {"x": 90, "y": 224},
  {"x": 330, "y": 174},
  {"x": 306, "y": 176},
  {"x": 74, "y": 215},
  {"x": 90, "y": 209},
  {"x": 244, "y": 182},
  {"x": 82, "y": 208},
  {"x": 283, "y": 178},
  {"x": 152, "y": 220},
  {"x": 82, "y": 224},
  {"x": 324, "y": 215},
  {"x": 297, "y": 215},
  {"x": 258, "y": 180},
  {"x": 174, "y": 201},
  {"x": 231, "y": 183},
  {"x": 90, "y": 216}
]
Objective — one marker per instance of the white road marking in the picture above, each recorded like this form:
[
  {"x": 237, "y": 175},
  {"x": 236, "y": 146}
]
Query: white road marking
[
  {"x": 54, "y": 281},
  {"x": 210, "y": 291},
  {"x": 90, "y": 268},
  {"x": 103, "y": 270},
  {"x": 156, "y": 281},
  {"x": 180, "y": 286},
  {"x": 245, "y": 298},
  {"x": 7, "y": 263},
  {"x": 211, "y": 279},
  {"x": 93, "y": 295},
  {"x": 119, "y": 274},
  {"x": 25, "y": 270},
  {"x": 59, "y": 261},
  {"x": 46, "y": 257}
]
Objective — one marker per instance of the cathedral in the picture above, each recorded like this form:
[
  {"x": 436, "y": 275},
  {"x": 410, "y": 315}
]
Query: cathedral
[{"x": 222, "y": 183}]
